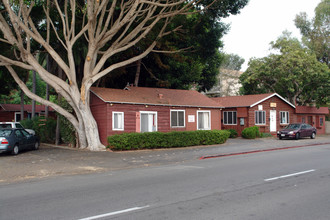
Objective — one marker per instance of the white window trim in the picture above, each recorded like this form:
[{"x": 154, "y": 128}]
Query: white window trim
[
  {"x": 149, "y": 112},
  {"x": 209, "y": 120},
  {"x": 227, "y": 118},
  {"x": 113, "y": 121},
  {"x": 287, "y": 115},
  {"x": 255, "y": 119},
  {"x": 184, "y": 118}
]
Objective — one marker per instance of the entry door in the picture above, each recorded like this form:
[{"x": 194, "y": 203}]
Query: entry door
[
  {"x": 148, "y": 121},
  {"x": 272, "y": 126}
]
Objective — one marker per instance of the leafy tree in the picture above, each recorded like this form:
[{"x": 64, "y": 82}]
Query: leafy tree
[
  {"x": 316, "y": 32},
  {"x": 232, "y": 62},
  {"x": 193, "y": 56},
  {"x": 294, "y": 73},
  {"x": 109, "y": 28}
]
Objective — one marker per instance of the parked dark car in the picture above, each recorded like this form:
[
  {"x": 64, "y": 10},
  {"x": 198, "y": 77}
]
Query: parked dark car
[
  {"x": 297, "y": 130},
  {"x": 14, "y": 140}
]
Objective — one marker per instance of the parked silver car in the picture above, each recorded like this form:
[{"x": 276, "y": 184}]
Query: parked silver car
[{"x": 14, "y": 140}]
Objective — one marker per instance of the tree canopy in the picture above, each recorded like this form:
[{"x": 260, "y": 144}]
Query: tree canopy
[
  {"x": 316, "y": 32},
  {"x": 294, "y": 72},
  {"x": 88, "y": 39}
]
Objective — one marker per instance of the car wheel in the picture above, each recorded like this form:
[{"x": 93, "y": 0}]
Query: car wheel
[
  {"x": 313, "y": 135},
  {"x": 36, "y": 146},
  {"x": 15, "y": 150},
  {"x": 297, "y": 136},
  {"x": 279, "y": 137}
]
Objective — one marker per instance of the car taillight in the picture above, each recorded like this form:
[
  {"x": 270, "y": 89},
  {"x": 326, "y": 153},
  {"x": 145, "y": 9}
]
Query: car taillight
[{"x": 4, "y": 141}]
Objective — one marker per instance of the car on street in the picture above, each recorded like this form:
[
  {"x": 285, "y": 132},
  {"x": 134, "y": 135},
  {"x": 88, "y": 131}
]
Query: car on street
[
  {"x": 14, "y": 140},
  {"x": 297, "y": 130}
]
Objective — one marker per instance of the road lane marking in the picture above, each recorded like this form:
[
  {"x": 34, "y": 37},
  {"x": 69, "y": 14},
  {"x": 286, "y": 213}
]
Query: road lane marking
[
  {"x": 289, "y": 175},
  {"x": 114, "y": 213}
]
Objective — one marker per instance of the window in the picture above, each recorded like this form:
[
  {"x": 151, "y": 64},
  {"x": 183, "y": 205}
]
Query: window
[
  {"x": 177, "y": 118},
  {"x": 229, "y": 118},
  {"x": 118, "y": 121},
  {"x": 30, "y": 115},
  {"x": 148, "y": 121},
  {"x": 321, "y": 121},
  {"x": 260, "y": 117},
  {"x": 18, "y": 125},
  {"x": 203, "y": 120},
  {"x": 284, "y": 117}
]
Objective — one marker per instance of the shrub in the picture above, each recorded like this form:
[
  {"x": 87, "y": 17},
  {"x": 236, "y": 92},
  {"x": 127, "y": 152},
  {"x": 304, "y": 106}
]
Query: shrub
[
  {"x": 233, "y": 133},
  {"x": 44, "y": 128},
  {"x": 151, "y": 140},
  {"x": 251, "y": 132},
  {"x": 265, "y": 135}
]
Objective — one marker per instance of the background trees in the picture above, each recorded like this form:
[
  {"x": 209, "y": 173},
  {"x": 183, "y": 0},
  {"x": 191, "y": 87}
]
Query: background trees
[
  {"x": 299, "y": 71},
  {"x": 294, "y": 73},
  {"x": 88, "y": 39},
  {"x": 316, "y": 32}
]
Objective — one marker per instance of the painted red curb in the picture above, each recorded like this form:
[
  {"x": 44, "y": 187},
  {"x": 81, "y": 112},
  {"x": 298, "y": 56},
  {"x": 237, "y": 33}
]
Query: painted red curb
[{"x": 258, "y": 151}]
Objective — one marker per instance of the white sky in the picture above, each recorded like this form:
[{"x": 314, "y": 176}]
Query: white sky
[{"x": 263, "y": 21}]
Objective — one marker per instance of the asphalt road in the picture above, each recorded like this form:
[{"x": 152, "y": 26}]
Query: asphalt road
[{"x": 282, "y": 184}]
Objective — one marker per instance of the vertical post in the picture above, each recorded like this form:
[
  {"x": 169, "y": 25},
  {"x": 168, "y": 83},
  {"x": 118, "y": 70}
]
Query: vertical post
[
  {"x": 34, "y": 91},
  {"x": 22, "y": 105},
  {"x": 47, "y": 88}
]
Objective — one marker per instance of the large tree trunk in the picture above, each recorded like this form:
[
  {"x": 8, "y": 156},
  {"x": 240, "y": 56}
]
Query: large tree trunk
[{"x": 88, "y": 133}]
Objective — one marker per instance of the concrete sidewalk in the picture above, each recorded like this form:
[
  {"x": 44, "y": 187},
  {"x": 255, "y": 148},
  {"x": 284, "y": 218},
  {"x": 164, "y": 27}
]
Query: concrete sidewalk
[{"x": 50, "y": 160}]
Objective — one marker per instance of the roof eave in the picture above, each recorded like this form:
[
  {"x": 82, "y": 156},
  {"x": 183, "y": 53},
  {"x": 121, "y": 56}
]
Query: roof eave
[
  {"x": 137, "y": 103},
  {"x": 268, "y": 97}
]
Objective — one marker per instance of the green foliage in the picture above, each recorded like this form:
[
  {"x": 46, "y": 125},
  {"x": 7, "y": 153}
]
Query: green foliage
[
  {"x": 44, "y": 128},
  {"x": 151, "y": 140},
  {"x": 233, "y": 133},
  {"x": 316, "y": 32},
  {"x": 232, "y": 62},
  {"x": 251, "y": 132},
  {"x": 196, "y": 65},
  {"x": 266, "y": 135},
  {"x": 67, "y": 131},
  {"x": 295, "y": 74}
]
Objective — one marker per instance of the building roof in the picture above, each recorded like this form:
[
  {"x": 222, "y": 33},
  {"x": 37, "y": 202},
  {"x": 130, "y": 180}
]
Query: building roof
[
  {"x": 246, "y": 100},
  {"x": 155, "y": 96},
  {"x": 312, "y": 110},
  {"x": 27, "y": 108}
]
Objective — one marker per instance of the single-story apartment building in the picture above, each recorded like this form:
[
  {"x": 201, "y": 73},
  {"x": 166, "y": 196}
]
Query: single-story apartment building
[
  {"x": 313, "y": 116},
  {"x": 142, "y": 109},
  {"x": 12, "y": 112},
  {"x": 270, "y": 112}
]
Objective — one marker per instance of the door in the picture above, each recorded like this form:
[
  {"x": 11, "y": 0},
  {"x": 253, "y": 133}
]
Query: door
[
  {"x": 148, "y": 121},
  {"x": 272, "y": 123}
]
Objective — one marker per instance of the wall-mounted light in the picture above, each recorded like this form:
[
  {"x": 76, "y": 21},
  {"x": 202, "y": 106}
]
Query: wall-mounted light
[
  {"x": 111, "y": 104},
  {"x": 146, "y": 106}
]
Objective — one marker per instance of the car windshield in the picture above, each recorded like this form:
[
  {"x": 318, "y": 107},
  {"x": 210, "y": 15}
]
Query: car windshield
[
  {"x": 293, "y": 126},
  {"x": 5, "y": 132}
]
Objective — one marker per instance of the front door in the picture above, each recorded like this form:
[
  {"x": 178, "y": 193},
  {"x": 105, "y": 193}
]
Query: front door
[
  {"x": 272, "y": 125},
  {"x": 148, "y": 121}
]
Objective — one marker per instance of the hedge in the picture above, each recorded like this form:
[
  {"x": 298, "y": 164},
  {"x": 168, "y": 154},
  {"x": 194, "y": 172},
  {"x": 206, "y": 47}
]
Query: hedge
[
  {"x": 152, "y": 140},
  {"x": 251, "y": 132},
  {"x": 233, "y": 133}
]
